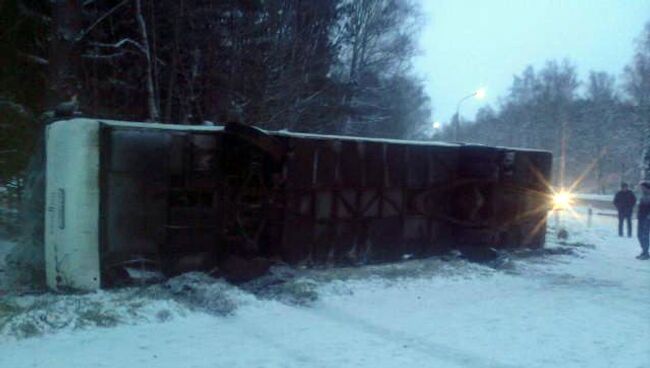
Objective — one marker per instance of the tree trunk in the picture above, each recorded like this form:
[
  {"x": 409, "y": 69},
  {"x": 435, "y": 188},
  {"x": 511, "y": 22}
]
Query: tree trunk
[
  {"x": 154, "y": 114},
  {"x": 645, "y": 163},
  {"x": 65, "y": 53}
]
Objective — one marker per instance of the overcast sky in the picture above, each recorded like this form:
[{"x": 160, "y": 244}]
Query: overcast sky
[{"x": 467, "y": 44}]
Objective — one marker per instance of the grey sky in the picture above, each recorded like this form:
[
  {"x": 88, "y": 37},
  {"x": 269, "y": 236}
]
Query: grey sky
[{"x": 467, "y": 44}]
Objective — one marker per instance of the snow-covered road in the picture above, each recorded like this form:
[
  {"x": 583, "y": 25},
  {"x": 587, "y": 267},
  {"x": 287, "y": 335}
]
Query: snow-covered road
[{"x": 587, "y": 309}]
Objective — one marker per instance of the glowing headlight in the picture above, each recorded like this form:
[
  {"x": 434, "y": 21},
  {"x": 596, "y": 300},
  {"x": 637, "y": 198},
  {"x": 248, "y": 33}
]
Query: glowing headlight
[{"x": 562, "y": 200}]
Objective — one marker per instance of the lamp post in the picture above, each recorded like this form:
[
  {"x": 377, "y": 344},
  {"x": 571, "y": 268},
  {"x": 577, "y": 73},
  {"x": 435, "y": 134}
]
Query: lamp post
[{"x": 479, "y": 94}]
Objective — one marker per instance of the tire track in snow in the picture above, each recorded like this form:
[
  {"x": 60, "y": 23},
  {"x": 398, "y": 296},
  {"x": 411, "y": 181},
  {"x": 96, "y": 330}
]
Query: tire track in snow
[{"x": 429, "y": 349}]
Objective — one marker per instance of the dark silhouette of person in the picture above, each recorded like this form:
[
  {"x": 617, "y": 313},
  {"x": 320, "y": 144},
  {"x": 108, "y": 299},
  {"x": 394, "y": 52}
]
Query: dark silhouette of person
[
  {"x": 624, "y": 201},
  {"x": 643, "y": 230}
]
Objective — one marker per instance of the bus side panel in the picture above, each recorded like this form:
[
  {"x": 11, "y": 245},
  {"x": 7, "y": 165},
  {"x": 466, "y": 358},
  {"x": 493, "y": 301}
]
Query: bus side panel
[{"x": 72, "y": 205}]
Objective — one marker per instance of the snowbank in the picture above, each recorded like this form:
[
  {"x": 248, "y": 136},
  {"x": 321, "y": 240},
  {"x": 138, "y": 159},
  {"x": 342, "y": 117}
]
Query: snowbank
[
  {"x": 583, "y": 303},
  {"x": 595, "y": 197},
  {"x": 36, "y": 314},
  {"x": 32, "y": 315}
]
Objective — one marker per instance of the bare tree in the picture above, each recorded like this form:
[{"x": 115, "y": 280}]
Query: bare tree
[
  {"x": 65, "y": 51},
  {"x": 154, "y": 112},
  {"x": 637, "y": 85}
]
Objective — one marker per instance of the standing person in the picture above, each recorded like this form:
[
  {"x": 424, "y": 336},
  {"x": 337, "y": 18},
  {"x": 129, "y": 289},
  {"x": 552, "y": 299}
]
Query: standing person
[
  {"x": 643, "y": 231},
  {"x": 624, "y": 201}
]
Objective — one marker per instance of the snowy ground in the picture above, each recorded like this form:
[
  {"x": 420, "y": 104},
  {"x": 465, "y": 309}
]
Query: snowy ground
[
  {"x": 586, "y": 304},
  {"x": 596, "y": 197}
]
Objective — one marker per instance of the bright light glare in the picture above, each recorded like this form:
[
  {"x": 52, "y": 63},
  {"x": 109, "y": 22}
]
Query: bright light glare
[
  {"x": 562, "y": 200},
  {"x": 436, "y": 125},
  {"x": 480, "y": 93}
]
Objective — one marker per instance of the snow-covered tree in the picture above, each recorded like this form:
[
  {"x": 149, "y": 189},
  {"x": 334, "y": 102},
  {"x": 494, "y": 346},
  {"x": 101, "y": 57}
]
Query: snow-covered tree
[{"x": 637, "y": 85}]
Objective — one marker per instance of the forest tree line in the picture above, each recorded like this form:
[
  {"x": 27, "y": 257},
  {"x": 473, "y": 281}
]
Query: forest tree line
[
  {"x": 335, "y": 66},
  {"x": 599, "y": 125},
  {"x": 327, "y": 66}
]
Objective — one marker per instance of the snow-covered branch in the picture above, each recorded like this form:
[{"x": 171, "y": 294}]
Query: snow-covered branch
[
  {"x": 33, "y": 58},
  {"x": 15, "y": 107},
  {"x": 26, "y": 11},
  {"x": 85, "y": 32},
  {"x": 114, "y": 55},
  {"x": 121, "y": 43}
]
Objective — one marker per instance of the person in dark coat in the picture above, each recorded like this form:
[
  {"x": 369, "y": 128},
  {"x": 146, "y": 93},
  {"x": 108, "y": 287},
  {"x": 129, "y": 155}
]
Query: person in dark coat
[
  {"x": 643, "y": 230},
  {"x": 624, "y": 201}
]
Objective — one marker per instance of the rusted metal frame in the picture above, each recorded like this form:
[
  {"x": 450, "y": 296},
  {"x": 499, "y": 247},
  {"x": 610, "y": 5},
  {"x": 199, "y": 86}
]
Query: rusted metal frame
[
  {"x": 404, "y": 190},
  {"x": 457, "y": 182},
  {"x": 334, "y": 205},
  {"x": 467, "y": 223},
  {"x": 257, "y": 138},
  {"x": 191, "y": 227},
  {"x": 451, "y": 183},
  {"x": 430, "y": 181},
  {"x": 381, "y": 190},
  {"x": 372, "y": 200},
  {"x": 442, "y": 163},
  {"x": 336, "y": 194},
  {"x": 364, "y": 189},
  {"x": 361, "y": 187},
  {"x": 392, "y": 203},
  {"x": 262, "y": 225},
  {"x": 297, "y": 194},
  {"x": 285, "y": 194},
  {"x": 357, "y": 215},
  {"x": 221, "y": 187},
  {"x": 200, "y": 192},
  {"x": 173, "y": 189},
  {"x": 168, "y": 207},
  {"x": 238, "y": 205},
  {"x": 348, "y": 206},
  {"x": 312, "y": 200},
  {"x": 453, "y": 220},
  {"x": 189, "y": 176},
  {"x": 314, "y": 184},
  {"x": 357, "y": 220},
  {"x": 380, "y": 202},
  {"x": 191, "y": 182}
]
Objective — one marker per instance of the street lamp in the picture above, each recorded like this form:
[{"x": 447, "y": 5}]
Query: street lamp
[
  {"x": 436, "y": 125},
  {"x": 479, "y": 94}
]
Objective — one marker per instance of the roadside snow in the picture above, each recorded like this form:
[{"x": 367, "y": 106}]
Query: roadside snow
[
  {"x": 595, "y": 197},
  {"x": 581, "y": 304},
  {"x": 31, "y": 315}
]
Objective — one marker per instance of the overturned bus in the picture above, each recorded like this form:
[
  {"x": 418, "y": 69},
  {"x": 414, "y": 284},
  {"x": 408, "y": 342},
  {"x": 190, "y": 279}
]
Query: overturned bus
[{"x": 174, "y": 198}]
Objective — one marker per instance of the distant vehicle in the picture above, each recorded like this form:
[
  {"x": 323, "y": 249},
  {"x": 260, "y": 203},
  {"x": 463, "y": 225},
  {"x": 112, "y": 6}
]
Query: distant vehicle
[{"x": 172, "y": 198}]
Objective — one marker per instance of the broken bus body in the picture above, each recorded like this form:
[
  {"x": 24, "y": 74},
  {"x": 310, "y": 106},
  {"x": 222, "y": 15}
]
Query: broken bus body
[{"x": 175, "y": 198}]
